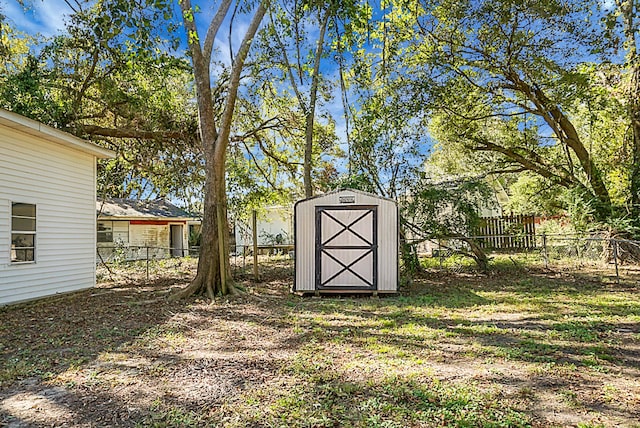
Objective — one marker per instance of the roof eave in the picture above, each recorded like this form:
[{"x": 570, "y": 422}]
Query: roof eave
[
  {"x": 128, "y": 218},
  {"x": 33, "y": 127}
]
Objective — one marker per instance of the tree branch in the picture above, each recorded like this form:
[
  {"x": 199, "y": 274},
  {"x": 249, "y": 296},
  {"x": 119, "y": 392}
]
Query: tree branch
[
  {"x": 262, "y": 171},
  {"x": 234, "y": 82},
  {"x": 289, "y": 67},
  {"x": 130, "y": 133},
  {"x": 214, "y": 26},
  {"x": 267, "y": 124},
  {"x": 543, "y": 170}
]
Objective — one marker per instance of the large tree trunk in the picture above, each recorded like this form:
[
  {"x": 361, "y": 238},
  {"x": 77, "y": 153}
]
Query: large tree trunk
[
  {"x": 213, "y": 263},
  {"x": 311, "y": 113},
  {"x": 213, "y": 276},
  {"x": 207, "y": 281},
  {"x": 634, "y": 113}
]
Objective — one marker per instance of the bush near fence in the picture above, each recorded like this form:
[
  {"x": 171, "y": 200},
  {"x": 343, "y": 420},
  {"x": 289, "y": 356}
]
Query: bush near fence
[{"x": 616, "y": 258}]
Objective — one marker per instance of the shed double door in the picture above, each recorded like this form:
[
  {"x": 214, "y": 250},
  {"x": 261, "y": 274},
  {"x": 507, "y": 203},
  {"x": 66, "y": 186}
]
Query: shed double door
[{"x": 346, "y": 248}]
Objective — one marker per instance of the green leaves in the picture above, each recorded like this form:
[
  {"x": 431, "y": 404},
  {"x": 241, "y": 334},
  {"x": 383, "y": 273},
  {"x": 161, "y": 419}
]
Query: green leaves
[
  {"x": 109, "y": 79},
  {"x": 438, "y": 209}
]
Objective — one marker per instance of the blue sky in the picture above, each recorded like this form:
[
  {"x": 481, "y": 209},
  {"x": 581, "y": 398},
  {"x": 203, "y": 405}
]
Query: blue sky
[
  {"x": 43, "y": 17},
  {"x": 47, "y": 18}
]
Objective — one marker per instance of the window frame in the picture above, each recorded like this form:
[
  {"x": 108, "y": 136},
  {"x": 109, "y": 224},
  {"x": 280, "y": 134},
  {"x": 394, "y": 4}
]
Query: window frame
[
  {"x": 104, "y": 232},
  {"x": 14, "y": 232}
]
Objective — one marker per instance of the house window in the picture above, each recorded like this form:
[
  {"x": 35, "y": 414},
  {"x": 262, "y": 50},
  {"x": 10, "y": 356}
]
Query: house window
[
  {"x": 105, "y": 231},
  {"x": 23, "y": 232}
]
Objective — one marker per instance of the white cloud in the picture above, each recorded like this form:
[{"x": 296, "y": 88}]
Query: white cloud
[
  {"x": 45, "y": 17},
  {"x": 53, "y": 14},
  {"x": 239, "y": 29},
  {"x": 608, "y": 4}
]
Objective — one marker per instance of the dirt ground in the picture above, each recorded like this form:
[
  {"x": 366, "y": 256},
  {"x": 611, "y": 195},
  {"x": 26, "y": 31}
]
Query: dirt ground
[{"x": 122, "y": 354}]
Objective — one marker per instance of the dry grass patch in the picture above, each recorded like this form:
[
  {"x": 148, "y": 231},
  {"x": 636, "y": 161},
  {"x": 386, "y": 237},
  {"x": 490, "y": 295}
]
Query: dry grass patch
[{"x": 514, "y": 349}]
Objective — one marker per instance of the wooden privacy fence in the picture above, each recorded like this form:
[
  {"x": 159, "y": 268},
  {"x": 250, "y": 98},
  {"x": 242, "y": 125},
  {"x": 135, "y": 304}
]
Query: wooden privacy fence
[{"x": 506, "y": 232}]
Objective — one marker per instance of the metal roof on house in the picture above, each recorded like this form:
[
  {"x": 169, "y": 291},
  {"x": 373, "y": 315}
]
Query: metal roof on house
[
  {"x": 133, "y": 209},
  {"x": 33, "y": 127}
]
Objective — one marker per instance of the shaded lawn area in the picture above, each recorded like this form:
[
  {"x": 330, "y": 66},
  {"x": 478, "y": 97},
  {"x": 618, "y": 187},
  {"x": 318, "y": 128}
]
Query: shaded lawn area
[{"x": 515, "y": 348}]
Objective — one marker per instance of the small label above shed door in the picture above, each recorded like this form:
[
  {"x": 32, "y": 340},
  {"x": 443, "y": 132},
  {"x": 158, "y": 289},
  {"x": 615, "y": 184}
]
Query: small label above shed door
[
  {"x": 347, "y": 199},
  {"x": 346, "y": 247}
]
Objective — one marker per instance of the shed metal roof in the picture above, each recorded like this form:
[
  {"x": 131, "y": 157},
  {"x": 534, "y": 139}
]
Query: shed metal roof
[{"x": 345, "y": 190}]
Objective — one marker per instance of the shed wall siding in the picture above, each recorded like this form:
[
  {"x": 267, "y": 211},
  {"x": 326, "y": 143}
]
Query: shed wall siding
[
  {"x": 60, "y": 181},
  {"x": 387, "y": 239}
]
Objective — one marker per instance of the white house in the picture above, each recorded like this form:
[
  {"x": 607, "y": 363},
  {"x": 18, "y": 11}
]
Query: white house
[
  {"x": 47, "y": 210},
  {"x": 274, "y": 226},
  {"x": 141, "y": 229}
]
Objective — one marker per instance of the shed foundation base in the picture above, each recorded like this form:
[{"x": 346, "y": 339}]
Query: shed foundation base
[{"x": 373, "y": 293}]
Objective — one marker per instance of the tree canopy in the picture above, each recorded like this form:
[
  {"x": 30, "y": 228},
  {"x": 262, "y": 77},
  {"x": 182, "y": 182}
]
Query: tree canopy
[{"x": 247, "y": 102}]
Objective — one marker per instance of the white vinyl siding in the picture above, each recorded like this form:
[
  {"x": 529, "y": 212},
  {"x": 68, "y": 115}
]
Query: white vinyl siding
[{"x": 60, "y": 181}]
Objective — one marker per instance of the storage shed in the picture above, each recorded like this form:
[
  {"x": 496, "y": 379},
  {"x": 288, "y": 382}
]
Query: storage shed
[
  {"x": 47, "y": 210},
  {"x": 346, "y": 241}
]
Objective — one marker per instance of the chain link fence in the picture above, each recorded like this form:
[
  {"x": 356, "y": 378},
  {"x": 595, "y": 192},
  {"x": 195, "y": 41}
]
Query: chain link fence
[
  {"x": 608, "y": 258},
  {"x": 617, "y": 259},
  {"x": 138, "y": 262}
]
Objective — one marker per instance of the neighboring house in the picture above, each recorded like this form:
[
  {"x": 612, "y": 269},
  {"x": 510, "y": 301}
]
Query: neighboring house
[
  {"x": 136, "y": 229},
  {"x": 274, "y": 227},
  {"x": 47, "y": 203}
]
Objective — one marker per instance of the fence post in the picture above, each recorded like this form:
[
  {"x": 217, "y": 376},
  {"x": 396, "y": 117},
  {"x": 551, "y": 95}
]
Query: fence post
[
  {"x": 544, "y": 251},
  {"x": 615, "y": 258},
  {"x": 255, "y": 244},
  {"x": 235, "y": 258},
  {"x": 147, "y": 263}
]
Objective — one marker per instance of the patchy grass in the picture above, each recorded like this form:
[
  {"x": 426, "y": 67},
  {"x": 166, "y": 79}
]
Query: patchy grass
[{"x": 516, "y": 348}]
